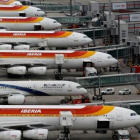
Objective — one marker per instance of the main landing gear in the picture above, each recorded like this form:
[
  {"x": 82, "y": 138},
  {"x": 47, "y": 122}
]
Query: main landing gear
[{"x": 65, "y": 134}]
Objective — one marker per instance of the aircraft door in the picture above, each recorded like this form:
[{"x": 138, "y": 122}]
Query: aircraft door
[
  {"x": 34, "y": 86},
  {"x": 75, "y": 38},
  {"x": 119, "y": 116},
  {"x": 69, "y": 88},
  {"x": 22, "y": 14},
  {"x": 37, "y": 27},
  {"x": 99, "y": 58}
]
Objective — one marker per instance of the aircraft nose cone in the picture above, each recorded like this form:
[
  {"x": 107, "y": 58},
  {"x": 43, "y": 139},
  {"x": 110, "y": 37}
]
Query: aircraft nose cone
[
  {"x": 59, "y": 25},
  {"x": 41, "y": 13},
  {"x": 115, "y": 60},
  {"x": 84, "y": 91},
  {"x": 89, "y": 40}
]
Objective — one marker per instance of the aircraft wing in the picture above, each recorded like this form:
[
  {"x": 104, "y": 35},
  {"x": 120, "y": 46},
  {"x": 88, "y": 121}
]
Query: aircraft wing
[
  {"x": 3, "y": 95},
  {"x": 25, "y": 125},
  {"x": 23, "y": 63}
]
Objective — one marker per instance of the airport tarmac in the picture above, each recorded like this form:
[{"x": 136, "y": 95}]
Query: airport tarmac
[{"x": 91, "y": 135}]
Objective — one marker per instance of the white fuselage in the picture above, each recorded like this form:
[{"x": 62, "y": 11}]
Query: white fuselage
[
  {"x": 41, "y": 88},
  {"x": 99, "y": 59},
  {"x": 25, "y": 25},
  {"x": 118, "y": 118},
  {"x": 29, "y": 11},
  {"x": 44, "y": 38}
]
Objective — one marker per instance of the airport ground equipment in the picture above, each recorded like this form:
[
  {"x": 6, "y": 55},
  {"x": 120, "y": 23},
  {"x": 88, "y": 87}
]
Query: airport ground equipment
[{"x": 121, "y": 135}]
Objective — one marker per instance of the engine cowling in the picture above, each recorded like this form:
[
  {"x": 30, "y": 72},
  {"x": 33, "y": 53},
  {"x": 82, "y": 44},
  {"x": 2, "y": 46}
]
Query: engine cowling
[
  {"x": 5, "y": 47},
  {"x": 17, "y": 70},
  {"x": 10, "y": 135},
  {"x": 16, "y": 100},
  {"x": 37, "y": 70},
  {"x": 36, "y": 134},
  {"x": 22, "y": 47}
]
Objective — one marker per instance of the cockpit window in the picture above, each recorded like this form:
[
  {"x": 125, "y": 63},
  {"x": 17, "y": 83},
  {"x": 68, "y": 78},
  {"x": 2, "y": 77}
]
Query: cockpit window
[
  {"x": 133, "y": 114},
  {"x": 55, "y": 22},
  {"x": 39, "y": 10},
  {"x": 85, "y": 37},
  {"x": 79, "y": 87},
  {"x": 109, "y": 56}
]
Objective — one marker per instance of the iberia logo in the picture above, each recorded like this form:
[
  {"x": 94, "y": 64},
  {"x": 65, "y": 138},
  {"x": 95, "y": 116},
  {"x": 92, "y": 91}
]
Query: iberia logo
[{"x": 31, "y": 111}]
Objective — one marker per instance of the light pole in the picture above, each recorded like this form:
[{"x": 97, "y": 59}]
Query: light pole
[
  {"x": 99, "y": 84},
  {"x": 70, "y": 7}
]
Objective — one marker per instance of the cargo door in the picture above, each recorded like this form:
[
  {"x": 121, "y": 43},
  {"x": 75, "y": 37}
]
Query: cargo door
[
  {"x": 103, "y": 124},
  {"x": 119, "y": 116},
  {"x": 99, "y": 58}
]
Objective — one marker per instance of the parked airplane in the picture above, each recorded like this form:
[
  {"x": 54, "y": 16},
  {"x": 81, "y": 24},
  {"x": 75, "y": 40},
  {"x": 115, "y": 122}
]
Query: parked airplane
[
  {"x": 14, "y": 92},
  {"x": 28, "y": 23},
  {"x": 10, "y": 2},
  {"x": 34, "y": 122},
  {"x": 22, "y": 40},
  {"x": 20, "y": 11},
  {"x": 37, "y": 62}
]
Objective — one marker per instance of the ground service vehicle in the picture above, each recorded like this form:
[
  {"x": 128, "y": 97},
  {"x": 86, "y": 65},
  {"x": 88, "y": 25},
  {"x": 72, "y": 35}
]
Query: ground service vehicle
[
  {"x": 125, "y": 91},
  {"x": 121, "y": 135},
  {"x": 90, "y": 71},
  {"x": 108, "y": 91}
]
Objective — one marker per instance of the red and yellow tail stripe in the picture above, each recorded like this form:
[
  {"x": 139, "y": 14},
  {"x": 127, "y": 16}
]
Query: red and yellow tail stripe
[
  {"x": 56, "y": 34},
  {"x": 82, "y": 112},
  {"x": 47, "y": 55}
]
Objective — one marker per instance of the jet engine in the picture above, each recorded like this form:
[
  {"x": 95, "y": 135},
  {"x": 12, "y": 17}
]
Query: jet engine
[
  {"x": 36, "y": 134},
  {"x": 17, "y": 70},
  {"x": 10, "y": 135},
  {"x": 37, "y": 70},
  {"x": 22, "y": 47},
  {"x": 16, "y": 100},
  {"x": 5, "y": 47}
]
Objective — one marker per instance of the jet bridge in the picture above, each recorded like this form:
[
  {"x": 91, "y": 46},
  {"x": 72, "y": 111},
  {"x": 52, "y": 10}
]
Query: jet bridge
[
  {"x": 122, "y": 50},
  {"x": 109, "y": 80}
]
